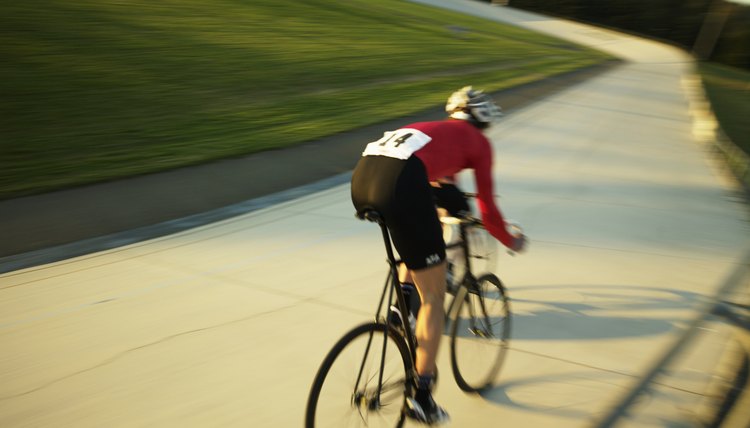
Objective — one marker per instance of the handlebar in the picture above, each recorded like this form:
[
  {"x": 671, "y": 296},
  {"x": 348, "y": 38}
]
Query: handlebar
[
  {"x": 462, "y": 218},
  {"x": 467, "y": 217},
  {"x": 476, "y": 195}
]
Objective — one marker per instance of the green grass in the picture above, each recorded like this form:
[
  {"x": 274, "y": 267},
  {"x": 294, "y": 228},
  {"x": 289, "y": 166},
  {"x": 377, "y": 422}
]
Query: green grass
[
  {"x": 728, "y": 90},
  {"x": 95, "y": 90}
]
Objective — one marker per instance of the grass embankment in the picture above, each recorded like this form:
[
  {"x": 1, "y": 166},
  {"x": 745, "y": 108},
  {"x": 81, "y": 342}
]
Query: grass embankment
[
  {"x": 95, "y": 90},
  {"x": 728, "y": 90}
]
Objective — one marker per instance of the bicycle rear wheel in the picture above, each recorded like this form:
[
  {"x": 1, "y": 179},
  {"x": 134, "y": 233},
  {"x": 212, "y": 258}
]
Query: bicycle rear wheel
[
  {"x": 348, "y": 390},
  {"x": 480, "y": 333}
]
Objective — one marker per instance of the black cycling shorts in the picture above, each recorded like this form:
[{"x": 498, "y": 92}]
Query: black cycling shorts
[{"x": 400, "y": 191}]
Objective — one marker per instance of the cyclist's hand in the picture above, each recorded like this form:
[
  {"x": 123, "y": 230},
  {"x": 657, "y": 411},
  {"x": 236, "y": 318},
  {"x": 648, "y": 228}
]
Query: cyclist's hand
[{"x": 519, "y": 243}]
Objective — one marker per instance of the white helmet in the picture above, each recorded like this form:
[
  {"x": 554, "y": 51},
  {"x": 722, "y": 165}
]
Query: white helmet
[{"x": 468, "y": 104}]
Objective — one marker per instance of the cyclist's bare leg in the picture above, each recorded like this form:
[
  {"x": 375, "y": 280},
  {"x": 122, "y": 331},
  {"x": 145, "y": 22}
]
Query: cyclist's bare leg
[
  {"x": 430, "y": 283},
  {"x": 404, "y": 274}
]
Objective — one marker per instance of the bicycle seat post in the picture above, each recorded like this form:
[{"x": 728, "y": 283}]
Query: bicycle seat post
[
  {"x": 376, "y": 217},
  {"x": 392, "y": 282}
]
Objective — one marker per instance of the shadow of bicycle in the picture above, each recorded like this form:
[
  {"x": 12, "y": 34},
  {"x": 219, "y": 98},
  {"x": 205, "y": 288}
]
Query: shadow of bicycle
[
  {"x": 577, "y": 396},
  {"x": 583, "y": 313}
]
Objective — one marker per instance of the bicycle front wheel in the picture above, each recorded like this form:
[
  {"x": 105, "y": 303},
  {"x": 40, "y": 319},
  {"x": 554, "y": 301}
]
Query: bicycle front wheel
[
  {"x": 480, "y": 333},
  {"x": 363, "y": 381}
]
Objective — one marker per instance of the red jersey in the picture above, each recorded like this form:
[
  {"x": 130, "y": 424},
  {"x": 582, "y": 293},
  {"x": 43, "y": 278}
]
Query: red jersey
[{"x": 456, "y": 145}]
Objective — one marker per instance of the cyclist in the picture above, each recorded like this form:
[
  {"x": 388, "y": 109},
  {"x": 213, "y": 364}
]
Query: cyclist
[{"x": 393, "y": 177}]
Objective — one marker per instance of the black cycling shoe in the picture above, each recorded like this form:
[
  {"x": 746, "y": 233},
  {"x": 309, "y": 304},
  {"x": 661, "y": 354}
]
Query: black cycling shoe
[{"x": 428, "y": 412}]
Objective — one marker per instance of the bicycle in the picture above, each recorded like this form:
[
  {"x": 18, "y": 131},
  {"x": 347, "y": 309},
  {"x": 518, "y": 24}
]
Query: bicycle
[{"x": 370, "y": 382}]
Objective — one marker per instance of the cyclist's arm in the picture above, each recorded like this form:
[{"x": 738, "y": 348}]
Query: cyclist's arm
[{"x": 491, "y": 215}]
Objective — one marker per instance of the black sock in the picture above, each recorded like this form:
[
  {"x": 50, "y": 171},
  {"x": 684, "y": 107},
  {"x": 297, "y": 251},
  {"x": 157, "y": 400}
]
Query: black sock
[
  {"x": 408, "y": 288},
  {"x": 424, "y": 388},
  {"x": 411, "y": 295}
]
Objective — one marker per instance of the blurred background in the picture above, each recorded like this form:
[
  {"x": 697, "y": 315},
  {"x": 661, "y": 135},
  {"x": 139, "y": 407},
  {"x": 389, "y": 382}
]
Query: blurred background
[
  {"x": 99, "y": 90},
  {"x": 717, "y": 32}
]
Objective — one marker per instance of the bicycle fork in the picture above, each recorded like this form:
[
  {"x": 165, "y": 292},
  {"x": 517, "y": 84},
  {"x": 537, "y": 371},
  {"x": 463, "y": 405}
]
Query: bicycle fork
[
  {"x": 472, "y": 287},
  {"x": 482, "y": 331}
]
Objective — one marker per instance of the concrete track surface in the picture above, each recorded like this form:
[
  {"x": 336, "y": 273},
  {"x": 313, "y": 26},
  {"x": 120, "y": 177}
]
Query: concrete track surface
[{"x": 632, "y": 227}]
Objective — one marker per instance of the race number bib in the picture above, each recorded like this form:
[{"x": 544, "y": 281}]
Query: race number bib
[{"x": 399, "y": 144}]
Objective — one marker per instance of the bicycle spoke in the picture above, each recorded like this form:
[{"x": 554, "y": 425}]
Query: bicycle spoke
[{"x": 351, "y": 389}]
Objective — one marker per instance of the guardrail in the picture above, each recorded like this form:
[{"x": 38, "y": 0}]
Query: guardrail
[{"x": 734, "y": 411}]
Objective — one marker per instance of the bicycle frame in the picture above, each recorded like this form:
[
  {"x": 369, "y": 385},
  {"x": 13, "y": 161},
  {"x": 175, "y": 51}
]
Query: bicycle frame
[
  {"x": 468, "y": 280},
  {"x": 392, "y": 284}
]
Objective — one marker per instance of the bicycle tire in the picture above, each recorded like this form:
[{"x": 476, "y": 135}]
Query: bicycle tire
[
  {"x": 480, "y": 333},
  {"x": 335, "y": 398}
]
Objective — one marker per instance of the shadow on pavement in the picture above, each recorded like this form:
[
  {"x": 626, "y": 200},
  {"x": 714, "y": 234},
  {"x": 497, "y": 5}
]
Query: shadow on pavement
[{"x": 585, "y": 312}]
